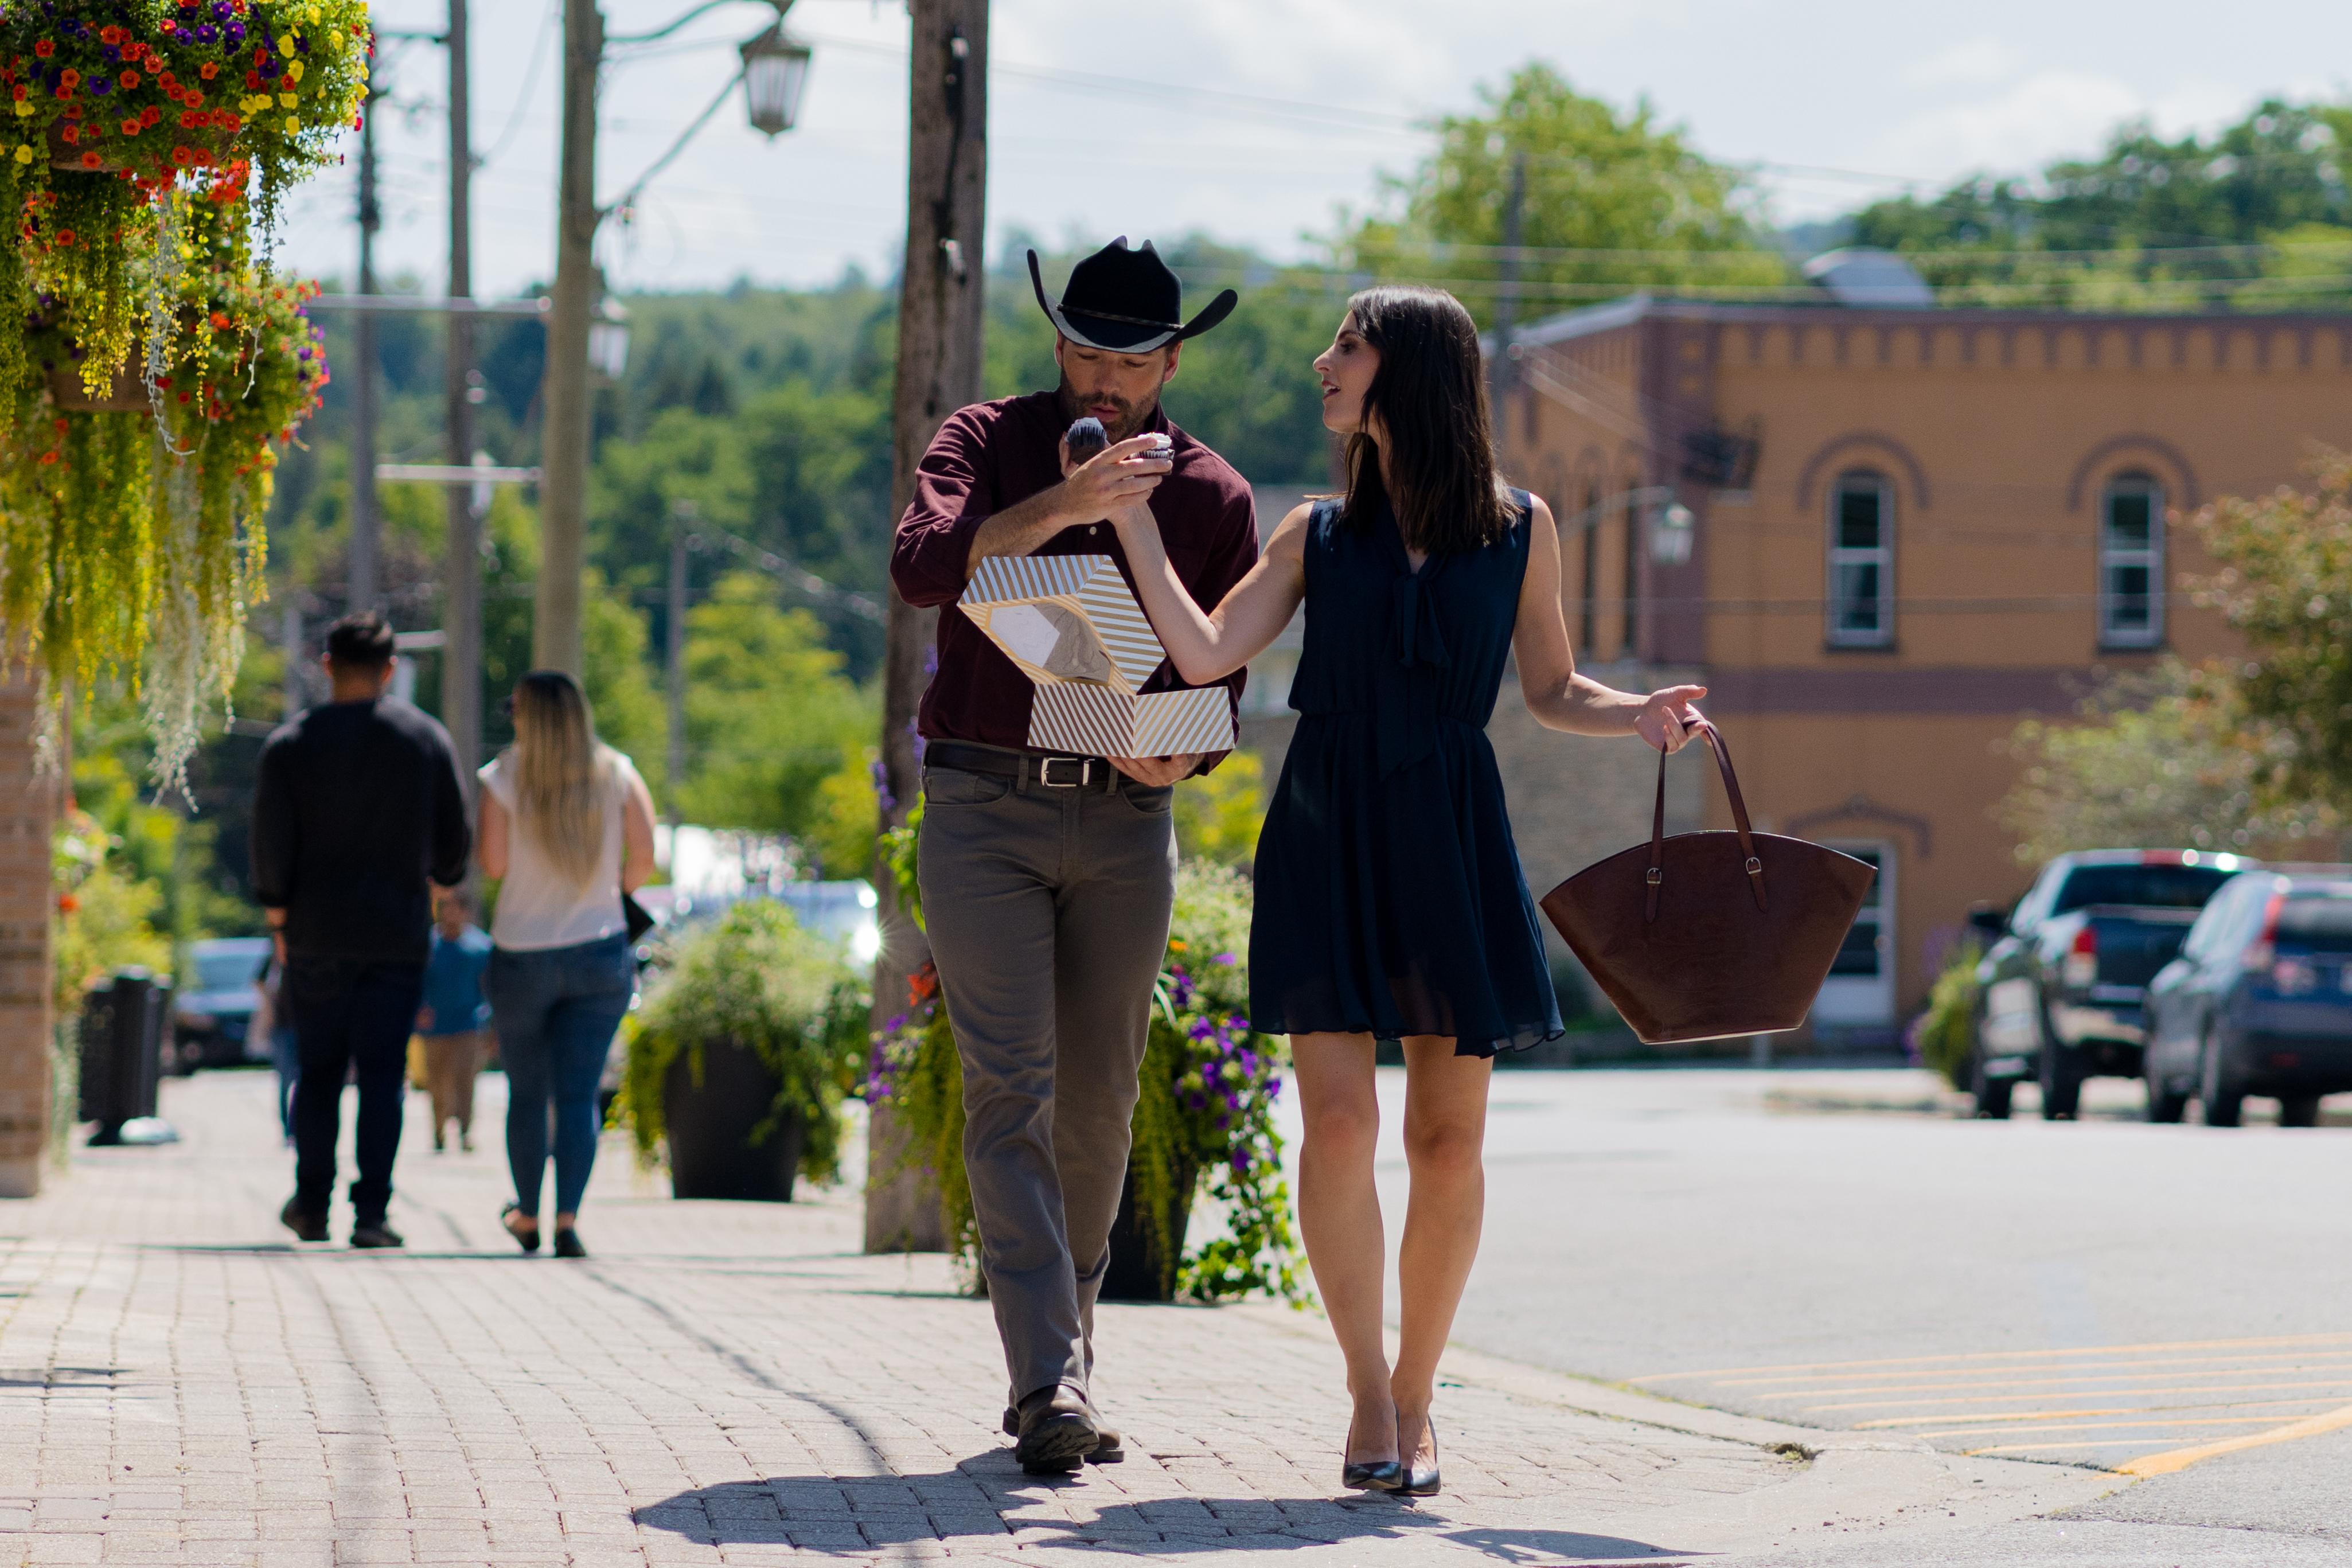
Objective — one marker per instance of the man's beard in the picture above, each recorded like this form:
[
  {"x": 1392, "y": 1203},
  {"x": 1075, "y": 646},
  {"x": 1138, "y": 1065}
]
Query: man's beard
[{"x": 1129, "y": 421}]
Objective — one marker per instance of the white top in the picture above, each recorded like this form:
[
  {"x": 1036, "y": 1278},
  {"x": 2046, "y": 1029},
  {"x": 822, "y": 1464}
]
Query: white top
[{"x": 539, "y": 907}]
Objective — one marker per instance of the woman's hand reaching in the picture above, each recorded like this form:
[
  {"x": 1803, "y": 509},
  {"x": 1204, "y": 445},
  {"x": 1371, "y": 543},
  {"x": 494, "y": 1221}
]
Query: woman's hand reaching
[{"x": 1666, "y": 717}]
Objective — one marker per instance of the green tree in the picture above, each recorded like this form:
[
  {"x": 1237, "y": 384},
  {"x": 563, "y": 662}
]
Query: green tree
[
  {"x": 2257, "y": 214},
  {"x": 1644, "y": 207},
  {"x": 768, "y": 714},
  {"x": 2285, "y": 585},
  {"x": 2172, "y": 759}
]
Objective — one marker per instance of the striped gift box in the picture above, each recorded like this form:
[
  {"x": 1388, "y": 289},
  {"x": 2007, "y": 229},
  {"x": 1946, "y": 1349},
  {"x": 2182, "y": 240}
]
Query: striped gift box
[
  {"x": 1063, "y": 618},
  {"x": 1102, "y": 721}
]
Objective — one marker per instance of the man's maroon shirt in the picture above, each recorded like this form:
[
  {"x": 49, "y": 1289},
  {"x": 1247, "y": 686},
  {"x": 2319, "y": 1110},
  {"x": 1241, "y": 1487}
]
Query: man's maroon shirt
[{"x": 993, "y": 455}]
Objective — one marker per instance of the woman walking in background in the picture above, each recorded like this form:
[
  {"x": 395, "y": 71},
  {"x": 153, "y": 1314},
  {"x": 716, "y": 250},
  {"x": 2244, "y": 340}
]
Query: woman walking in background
[
  {"x": 569, "y": 827},
  {"x": 1389, "y": 904}
]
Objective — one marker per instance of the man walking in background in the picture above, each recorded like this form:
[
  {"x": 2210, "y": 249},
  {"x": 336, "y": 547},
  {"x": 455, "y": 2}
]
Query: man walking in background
[{"x": 357, "y": 813}]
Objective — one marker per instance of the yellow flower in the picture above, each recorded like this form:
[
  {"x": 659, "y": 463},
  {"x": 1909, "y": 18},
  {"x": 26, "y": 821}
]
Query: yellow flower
[
  {"x": 24, "y": 111},
  {"x": 25, "y": 153},
  {"x": 286, "y": 45},
  {"x": 285, "y": 100},
  {"x": 314, "y": 16},
  {"x": 294, "y": 72},
  {"x": 293, "y": 126}
]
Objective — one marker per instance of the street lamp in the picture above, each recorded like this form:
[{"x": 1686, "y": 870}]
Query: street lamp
[
  {"x": 1671, "y": 533},
  {"x": 775, "y": 74}
]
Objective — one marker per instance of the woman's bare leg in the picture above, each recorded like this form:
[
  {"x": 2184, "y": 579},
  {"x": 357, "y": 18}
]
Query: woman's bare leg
[
  {"x": 1340, "y": 1217},
  {"x": 1445, "y": 1140}
]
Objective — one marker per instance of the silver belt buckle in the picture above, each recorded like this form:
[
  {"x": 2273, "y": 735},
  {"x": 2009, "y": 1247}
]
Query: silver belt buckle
[{"x": 1085, "y": 766}]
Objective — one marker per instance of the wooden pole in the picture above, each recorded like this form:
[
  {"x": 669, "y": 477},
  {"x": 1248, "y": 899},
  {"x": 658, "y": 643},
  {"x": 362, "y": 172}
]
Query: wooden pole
[
  {"x": 563, "y": 494},
  {"x": 461, "y": 593},
  {"x": 939, "y": 300},
  {"x": 364, "y": 587}
]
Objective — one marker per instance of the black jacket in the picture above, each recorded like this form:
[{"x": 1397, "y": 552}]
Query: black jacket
[{"x": 357, "y": 807}]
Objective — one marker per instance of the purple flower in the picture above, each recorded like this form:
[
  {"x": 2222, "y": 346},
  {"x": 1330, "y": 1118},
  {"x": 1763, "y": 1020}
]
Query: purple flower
[
  {"x": 1226, "y": 958},
  {"x": 206, "y": 33}
]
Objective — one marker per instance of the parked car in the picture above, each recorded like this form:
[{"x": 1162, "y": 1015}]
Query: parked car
[
  {"x": 2258, "y": 1002},
  {"x": 212, "y": 1013},
  {"x": 2060, "y": 994}
]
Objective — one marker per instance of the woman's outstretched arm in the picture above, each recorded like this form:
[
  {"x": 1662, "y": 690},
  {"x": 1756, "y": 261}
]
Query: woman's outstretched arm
[
  {"x": 1557, "y": 695},
  {"x": 1208, "y": 645}
]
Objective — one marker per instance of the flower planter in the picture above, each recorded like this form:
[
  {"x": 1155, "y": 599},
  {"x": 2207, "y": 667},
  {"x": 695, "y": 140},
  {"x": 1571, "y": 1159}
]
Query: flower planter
[
  {"x": 710, "y": 1126},
  {"x": 1139, "y": 1271},
  {"x": 127, "y": 395}
]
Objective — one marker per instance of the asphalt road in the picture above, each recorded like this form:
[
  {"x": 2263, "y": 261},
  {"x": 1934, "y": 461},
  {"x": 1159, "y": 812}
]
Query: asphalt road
[{"x": 1801, "y": 1246}]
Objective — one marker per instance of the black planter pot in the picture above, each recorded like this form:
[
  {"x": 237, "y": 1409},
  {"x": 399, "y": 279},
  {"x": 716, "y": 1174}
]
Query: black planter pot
[
  {"x": 1138, "y": 1272},
  {"x": 710, "y": 1125}
]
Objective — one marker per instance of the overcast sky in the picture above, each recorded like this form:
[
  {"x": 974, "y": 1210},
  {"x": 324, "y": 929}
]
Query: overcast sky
[{"x": 1257, "y": 120}]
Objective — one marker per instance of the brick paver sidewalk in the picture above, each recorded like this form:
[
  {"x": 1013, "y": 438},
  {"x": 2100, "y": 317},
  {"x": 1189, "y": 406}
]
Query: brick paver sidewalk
[{"x": 720, "y": 1384}]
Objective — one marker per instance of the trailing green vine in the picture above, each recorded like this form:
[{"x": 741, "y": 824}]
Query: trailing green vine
[{"x": 1205, "y": 1111}]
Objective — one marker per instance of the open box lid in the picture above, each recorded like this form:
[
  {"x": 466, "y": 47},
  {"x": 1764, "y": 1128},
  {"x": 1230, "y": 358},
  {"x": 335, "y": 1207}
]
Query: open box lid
[{"x": 1063, "y": 618}]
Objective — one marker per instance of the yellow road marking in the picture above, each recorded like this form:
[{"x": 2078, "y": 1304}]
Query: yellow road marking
[
  {"x": 2111, "y": 1425},
  {"x": 1923, "y": 1361},
  {"x": 2166, "y": 1463},
  {"x": 2059, "y": 1414},
  {"x": 2233, "y": 1364},
  {"x": 1983, "y": 1395}
]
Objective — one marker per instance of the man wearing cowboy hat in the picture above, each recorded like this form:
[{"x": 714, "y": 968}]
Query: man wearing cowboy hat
[{"x": 1047, "y": 879}]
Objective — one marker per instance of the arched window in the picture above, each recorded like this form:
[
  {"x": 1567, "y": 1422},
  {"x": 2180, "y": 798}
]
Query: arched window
[
  {"x": 2131, "y": 562},
  {"x": 1861, "y": 561}
]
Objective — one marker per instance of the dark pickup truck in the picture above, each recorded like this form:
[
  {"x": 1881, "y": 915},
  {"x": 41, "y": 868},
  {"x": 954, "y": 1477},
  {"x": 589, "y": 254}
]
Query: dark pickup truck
[{"x": 2060, "y": 994}]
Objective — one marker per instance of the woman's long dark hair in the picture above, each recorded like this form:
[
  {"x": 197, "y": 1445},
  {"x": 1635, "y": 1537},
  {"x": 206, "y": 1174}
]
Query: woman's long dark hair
[{"x": 1430, "y": 393}]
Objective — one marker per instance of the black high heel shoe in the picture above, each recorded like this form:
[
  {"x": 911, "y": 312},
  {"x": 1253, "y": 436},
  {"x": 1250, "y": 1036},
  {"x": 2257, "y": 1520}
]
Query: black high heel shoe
[
  {"x": 1368, "y": 1476},
  {"x": 1417, "y": 1480}
]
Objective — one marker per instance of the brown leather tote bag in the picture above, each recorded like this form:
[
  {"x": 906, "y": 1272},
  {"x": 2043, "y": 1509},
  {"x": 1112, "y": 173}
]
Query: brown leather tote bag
[{"x": 1705, "y": 935}]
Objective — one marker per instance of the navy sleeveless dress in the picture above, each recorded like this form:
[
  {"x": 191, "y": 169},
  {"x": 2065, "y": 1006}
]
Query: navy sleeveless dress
[{"x": 1389, "y": 898}]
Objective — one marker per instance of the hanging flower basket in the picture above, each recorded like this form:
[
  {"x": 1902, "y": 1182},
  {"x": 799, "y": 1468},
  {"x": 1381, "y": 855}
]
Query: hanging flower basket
[
  {"x": 130, "y": 521},
  {"x": 111, "y": 111},
  {"x": 149, "y": 363}
]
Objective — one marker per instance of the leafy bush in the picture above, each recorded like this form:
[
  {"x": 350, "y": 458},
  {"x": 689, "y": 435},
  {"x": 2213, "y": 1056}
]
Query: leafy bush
[
  {"x": 1945, "y": 1033},
  {"x": 756, "y": 978}
]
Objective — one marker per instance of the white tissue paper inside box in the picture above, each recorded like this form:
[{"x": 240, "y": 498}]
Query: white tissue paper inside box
[{"x": 1075, "y": 629}]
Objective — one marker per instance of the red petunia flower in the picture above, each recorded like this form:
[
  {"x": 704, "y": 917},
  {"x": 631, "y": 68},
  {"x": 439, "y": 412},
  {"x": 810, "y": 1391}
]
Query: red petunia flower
[
  {"x": 208, "y": 71},
  {"x": 182, "y": 156},
  {"x": 91, "y": 160},
  {"x": 45, "y": 48},
  {"x": 126, "y": 81}
]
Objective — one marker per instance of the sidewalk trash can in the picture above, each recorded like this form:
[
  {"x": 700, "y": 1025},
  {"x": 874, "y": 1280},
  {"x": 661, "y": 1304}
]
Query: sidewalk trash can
[{"x": 122, "y": 1026}]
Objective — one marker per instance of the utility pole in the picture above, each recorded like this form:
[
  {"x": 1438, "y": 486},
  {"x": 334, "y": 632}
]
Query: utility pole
[
  {"x": 682, "y": 515},
  {"x": 1503, "y": 372},
  {"x": 939, "y": 372},
  {"x": 363, "y": 590},
  {"x": 563, "y": 501},
  {"x": 461, "y": 599}
]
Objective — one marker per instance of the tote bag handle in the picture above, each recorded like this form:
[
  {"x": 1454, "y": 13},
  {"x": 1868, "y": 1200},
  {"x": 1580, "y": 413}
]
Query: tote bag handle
[{"x": 1657, "y": 873}]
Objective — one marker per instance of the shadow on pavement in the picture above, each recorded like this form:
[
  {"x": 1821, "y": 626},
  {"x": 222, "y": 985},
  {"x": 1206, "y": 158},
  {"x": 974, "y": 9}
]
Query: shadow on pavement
[{"x": 984, "y": 1497}]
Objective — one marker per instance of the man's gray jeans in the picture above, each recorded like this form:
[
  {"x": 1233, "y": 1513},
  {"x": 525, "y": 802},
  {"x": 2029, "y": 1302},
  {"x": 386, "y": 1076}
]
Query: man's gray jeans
[{"x": 1047, "y": 911}]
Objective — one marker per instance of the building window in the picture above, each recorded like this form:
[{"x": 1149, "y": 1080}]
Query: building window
[
  {"x": 2131, "y": 563},
  {"x": 1862, "y": 562}
]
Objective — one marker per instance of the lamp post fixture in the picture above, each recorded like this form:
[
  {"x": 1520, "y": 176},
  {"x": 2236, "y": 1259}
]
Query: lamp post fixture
[{"x": 775, "y": 73}]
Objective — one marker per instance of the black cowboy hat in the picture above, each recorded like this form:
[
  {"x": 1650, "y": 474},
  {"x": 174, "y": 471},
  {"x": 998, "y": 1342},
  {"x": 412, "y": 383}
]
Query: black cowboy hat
[{"x": 1126, "y": 301}]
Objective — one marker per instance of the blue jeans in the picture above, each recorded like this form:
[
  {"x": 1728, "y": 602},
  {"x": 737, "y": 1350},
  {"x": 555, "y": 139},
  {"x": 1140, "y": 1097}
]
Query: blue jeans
[
  {"x": 555, "y": 1010},
  {"x": 351, "y": 1016}
]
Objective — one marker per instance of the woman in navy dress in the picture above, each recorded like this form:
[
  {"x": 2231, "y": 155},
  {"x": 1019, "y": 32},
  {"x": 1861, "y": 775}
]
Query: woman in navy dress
[{"x": 1389, "y": 904}]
